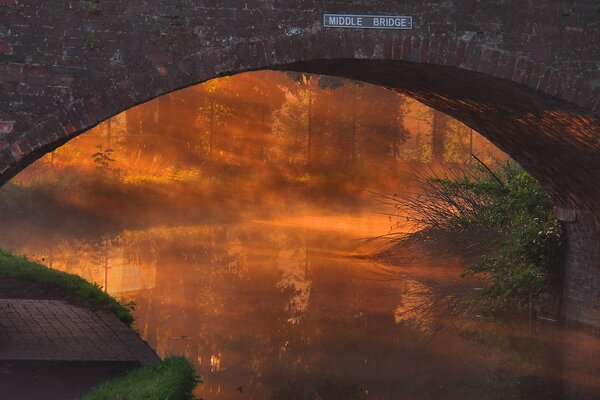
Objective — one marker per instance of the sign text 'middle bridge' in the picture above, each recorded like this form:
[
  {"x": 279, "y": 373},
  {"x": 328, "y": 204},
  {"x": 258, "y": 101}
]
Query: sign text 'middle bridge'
[{"x": 367, "y": 21}]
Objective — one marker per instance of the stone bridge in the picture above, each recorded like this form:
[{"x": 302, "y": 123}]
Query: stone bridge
[{"x": 524, "y": 73}]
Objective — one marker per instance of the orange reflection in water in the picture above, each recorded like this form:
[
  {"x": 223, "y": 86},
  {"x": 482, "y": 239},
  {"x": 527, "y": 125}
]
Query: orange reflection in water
[
  {"x": 279, "y": 308},
  {"x": 236, "y": 240}
]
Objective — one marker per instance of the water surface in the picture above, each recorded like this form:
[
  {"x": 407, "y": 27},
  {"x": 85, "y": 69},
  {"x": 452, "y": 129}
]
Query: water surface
[{"x": 280, "y": 308}]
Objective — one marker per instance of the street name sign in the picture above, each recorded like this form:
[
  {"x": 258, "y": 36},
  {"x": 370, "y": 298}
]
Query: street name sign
[{"x": 367, "y": 21}]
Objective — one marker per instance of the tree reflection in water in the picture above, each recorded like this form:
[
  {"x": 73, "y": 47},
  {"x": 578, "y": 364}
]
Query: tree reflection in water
[
  {"x": 230, "y": 212},
  {"x": 283, "y": 311}
]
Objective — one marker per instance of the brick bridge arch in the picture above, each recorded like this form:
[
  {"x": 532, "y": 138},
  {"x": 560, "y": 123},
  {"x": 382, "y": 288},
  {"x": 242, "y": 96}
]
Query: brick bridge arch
[{"x": 525, "y": 76}]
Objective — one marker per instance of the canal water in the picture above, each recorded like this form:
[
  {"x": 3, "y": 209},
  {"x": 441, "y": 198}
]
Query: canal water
[{"x": 286, "y": 308}]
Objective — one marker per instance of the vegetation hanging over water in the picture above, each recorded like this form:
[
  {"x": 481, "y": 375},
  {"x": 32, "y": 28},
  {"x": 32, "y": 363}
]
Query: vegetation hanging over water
[{"x": 505, "y": 214}]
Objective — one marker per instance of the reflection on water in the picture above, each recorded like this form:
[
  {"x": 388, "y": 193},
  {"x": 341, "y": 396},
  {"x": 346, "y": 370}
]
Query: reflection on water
[
  {"x": 278, "y": 309},
  {"x": 230, "y": 212}
]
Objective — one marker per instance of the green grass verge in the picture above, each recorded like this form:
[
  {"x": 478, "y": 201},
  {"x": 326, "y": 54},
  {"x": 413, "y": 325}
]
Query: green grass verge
[
  {"x": 73, "y": 285},
  {"x": 171, "y": 379}
]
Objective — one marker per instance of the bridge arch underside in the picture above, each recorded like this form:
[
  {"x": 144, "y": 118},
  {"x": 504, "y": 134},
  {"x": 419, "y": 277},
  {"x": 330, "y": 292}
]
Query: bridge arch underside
[{"x": 556, "y": 141}]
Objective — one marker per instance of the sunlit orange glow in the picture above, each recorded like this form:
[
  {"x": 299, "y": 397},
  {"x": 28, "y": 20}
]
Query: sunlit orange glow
[{"x": 233, "y": 213}]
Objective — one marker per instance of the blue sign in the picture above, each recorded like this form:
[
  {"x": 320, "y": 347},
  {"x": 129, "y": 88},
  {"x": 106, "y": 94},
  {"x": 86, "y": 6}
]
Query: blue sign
[{"x": 367, "y": 21}]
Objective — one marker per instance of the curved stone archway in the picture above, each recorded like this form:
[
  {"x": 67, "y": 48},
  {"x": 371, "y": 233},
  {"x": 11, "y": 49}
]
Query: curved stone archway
[{"x": 528, "y": 78}]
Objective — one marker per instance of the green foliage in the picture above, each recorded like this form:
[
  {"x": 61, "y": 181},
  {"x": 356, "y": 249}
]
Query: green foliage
[
  {"x": 528, "y": 263},
  {"x": 73, "y": 285},
  {"x": 530, "y": 257},
  {"x": 508, "y": 210},
  {"x": 172, "y": 379}
]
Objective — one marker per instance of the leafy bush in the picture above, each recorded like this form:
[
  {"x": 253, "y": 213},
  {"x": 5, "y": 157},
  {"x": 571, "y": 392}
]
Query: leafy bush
[
  {"x": 530, "y": 255},
  {"x": 528, "y": 263},
  {"x": 508, "y": 210}
]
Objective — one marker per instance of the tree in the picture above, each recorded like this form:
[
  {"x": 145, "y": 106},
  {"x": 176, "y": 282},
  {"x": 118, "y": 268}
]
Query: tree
[
  {"x": 214, "y": 111},
  {"x": 383, "y": 129},
  {"x": 290, "y": 128},
  {"x": 438, "y": 137}
]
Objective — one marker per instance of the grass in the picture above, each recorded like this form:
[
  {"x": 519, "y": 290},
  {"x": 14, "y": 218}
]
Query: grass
[
  {"x": 171, "y": 379},
  {"x": 73, "y": 285}
]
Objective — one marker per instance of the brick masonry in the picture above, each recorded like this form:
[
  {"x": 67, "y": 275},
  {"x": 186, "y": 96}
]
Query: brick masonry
[
  {"x": 52, "y": 330},
  {"x": 526, "y": 74}
]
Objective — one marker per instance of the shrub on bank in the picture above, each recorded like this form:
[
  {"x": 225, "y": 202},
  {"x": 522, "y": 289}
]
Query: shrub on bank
[
  {"x": 172, "y": 379},
  {"x": 507, "y": 210}
]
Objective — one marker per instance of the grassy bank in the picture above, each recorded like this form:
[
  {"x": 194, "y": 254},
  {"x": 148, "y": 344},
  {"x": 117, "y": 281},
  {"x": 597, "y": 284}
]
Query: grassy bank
[
  {"x": 172, "y": 379},
  {"x": 73, "y": 286}
]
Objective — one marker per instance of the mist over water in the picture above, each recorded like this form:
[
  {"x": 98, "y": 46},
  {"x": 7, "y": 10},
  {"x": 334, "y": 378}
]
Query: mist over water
[{"x": 231, "y": 213}]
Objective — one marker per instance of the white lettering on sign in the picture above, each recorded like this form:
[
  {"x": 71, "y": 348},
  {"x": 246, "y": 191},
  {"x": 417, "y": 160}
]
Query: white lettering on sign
[
  {"x": 367, "y": 21},
  {"x": 335, "y": 20},
  {"x": 390, "y": 22}
]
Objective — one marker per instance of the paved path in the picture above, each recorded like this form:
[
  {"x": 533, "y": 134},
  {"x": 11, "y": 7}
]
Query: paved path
[
  {"x": 54, "y": 350},
  {"x": 53, "y": 330}
]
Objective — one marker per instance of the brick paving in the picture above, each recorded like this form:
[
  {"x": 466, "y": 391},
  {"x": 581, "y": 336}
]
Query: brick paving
[{"x": 53, "y": 330}]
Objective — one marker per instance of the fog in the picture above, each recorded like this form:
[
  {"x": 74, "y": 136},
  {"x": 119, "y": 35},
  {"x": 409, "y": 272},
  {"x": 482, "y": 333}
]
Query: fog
[{"x": 233, "y": 212}]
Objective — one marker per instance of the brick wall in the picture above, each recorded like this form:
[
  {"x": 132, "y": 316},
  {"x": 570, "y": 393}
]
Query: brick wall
[
  {"x": 526, "y": 74},
  {"x": 581, "y": 289}
]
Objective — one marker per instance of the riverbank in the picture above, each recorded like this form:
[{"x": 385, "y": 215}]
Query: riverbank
[
  {"x": 62, "y": 337},
  {"x": 173, "y": 379},
  {"x": 25, "y": 279}
]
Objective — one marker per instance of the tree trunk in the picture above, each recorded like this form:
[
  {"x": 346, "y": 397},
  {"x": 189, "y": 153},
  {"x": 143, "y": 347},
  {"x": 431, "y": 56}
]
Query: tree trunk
[
  {"x": 309, "y": 130},
  {"x": 439, "y": 126},
  {"x": 470, "y": 144},
  {"x": 354, "y": 133},
  {"x": 108, "y": 132},
  {"x": 133, "y": 120},
  {"x": 211, "y": 127},
  {"x": 264, "y": 130}
]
